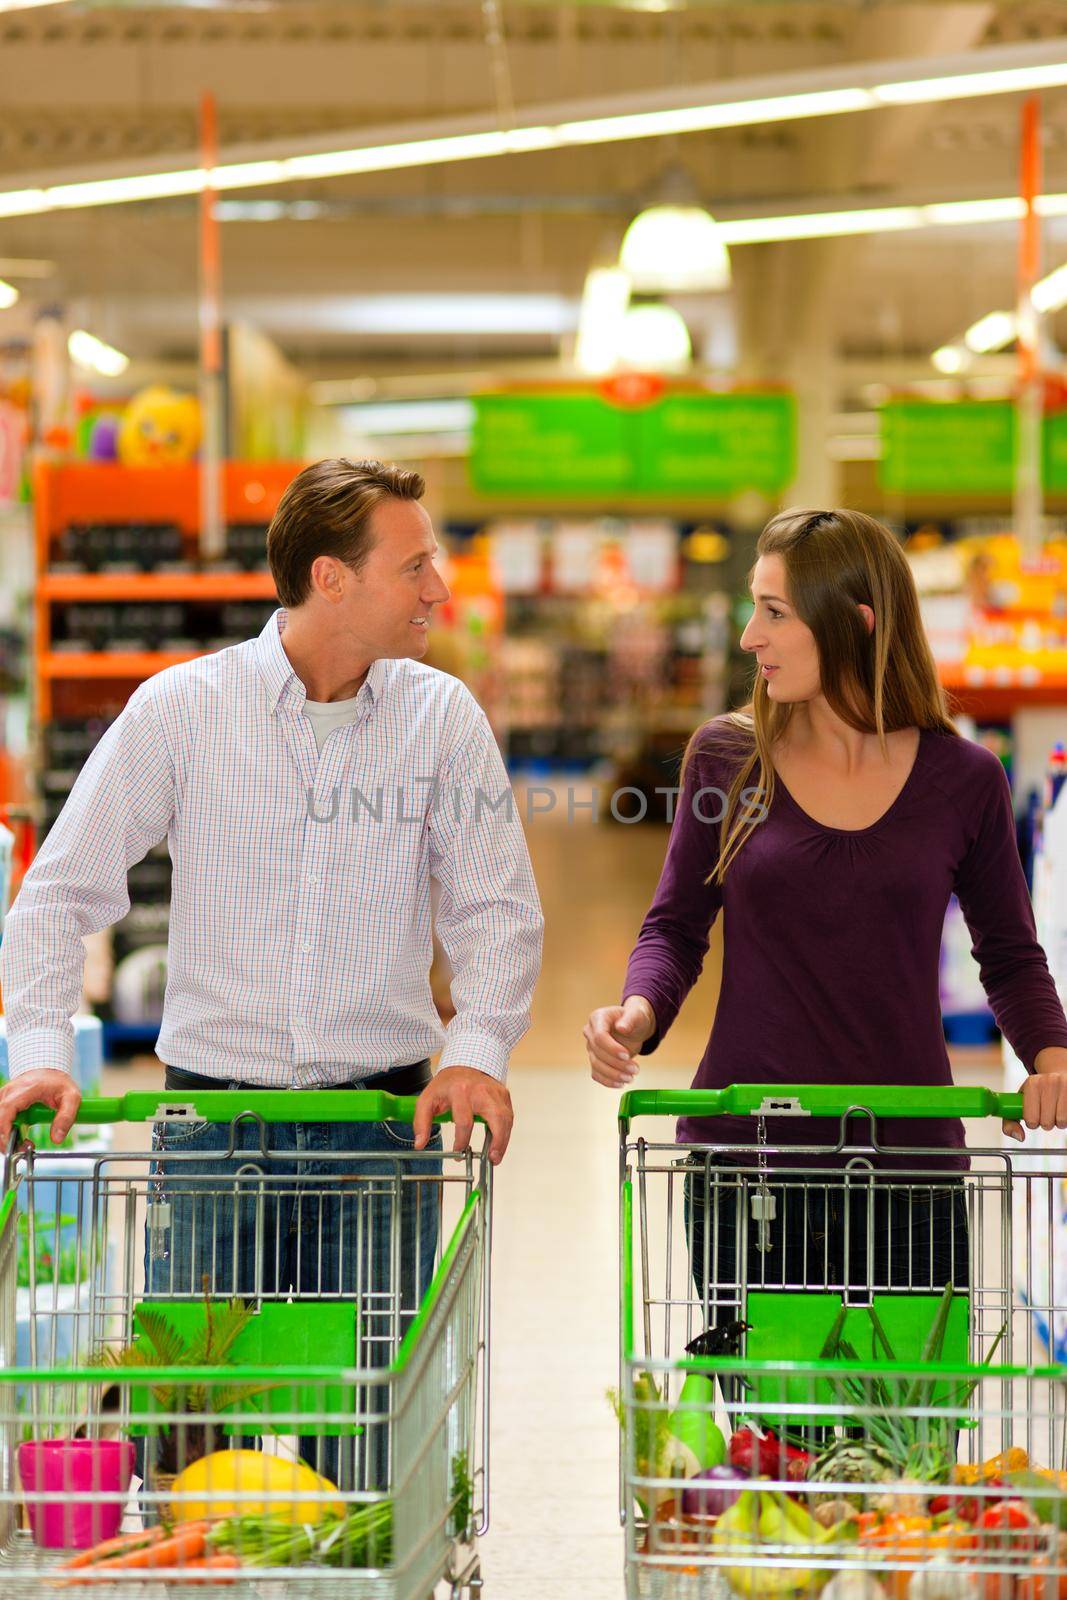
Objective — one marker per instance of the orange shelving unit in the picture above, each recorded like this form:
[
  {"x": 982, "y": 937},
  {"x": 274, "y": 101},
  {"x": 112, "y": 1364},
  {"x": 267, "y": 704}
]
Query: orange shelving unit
[
  {"x": 156, "y": 586},
  {"x": 111, "y": 494},
  {"x": 137, "y": 664}
]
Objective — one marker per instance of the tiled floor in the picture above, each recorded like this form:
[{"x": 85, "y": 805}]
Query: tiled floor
[{"x": 555, "y": 1529}]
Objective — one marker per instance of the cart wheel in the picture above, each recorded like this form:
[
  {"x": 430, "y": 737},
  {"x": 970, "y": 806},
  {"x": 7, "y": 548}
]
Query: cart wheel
[{"x": 469, "y": 1584}]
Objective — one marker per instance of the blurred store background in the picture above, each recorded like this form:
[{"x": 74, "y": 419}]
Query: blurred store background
[{"x": 621, "y": 277}]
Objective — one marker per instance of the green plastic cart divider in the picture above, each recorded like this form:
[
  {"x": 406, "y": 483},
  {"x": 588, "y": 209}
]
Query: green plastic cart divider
[
  {"x": 436, "y": 1289},
  {"x": 7, "y": 1206},
  {"x": 326, "y": 1327},
  {"x": 222, "y": 1105},
  {"x": 818, "y": 1100},
  {"x": 788, "y": 1326}
]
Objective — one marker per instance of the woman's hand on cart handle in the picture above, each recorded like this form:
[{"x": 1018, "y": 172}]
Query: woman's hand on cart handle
[
  {"x": 1044, "y": 1094},
  {"x": 612, "y": 1037},
  {"x": 45, "y": 1086},
  {"x": 466, "y": 1093}
]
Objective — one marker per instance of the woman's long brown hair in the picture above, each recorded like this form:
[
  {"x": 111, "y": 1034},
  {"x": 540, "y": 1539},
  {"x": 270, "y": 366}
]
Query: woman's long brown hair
[{"x": 877, "y": 680}]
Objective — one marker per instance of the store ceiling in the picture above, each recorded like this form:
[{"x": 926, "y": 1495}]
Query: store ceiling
[{"x": 111, "y": 87}]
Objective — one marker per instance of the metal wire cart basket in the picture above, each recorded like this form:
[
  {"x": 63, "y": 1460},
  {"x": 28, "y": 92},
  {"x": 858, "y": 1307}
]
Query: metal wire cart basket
[
  {"x": 226, "y": 1362},
  {"x": 833, "y": 1375}
]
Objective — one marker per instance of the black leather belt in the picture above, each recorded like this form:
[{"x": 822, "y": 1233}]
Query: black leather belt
[{"x": 397, "y": 1080}]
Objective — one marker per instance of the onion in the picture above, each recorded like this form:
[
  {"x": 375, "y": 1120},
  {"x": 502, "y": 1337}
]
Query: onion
[{"x": 711, "y": 1493}]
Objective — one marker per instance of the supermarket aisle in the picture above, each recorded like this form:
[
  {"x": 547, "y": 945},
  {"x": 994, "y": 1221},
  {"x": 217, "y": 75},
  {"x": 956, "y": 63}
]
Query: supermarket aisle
[
  {"x": 596, "y": 882},
  {"x": 555, "y": 1529},
  {"x": 555, "y": 1310}
]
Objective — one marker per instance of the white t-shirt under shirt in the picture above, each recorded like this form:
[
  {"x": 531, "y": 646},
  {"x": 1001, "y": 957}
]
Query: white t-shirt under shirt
[{"x": 326, "y": 715}]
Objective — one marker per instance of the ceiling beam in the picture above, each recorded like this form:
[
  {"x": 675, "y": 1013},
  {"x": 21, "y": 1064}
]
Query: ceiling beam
[{"x": 732, "y": 103}]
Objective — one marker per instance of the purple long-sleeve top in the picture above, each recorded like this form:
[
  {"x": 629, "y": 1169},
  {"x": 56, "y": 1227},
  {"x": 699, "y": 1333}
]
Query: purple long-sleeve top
[{"x": 832, "y": 939}]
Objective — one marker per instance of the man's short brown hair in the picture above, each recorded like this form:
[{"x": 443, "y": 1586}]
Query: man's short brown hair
[{"x": 326, "y": 511}]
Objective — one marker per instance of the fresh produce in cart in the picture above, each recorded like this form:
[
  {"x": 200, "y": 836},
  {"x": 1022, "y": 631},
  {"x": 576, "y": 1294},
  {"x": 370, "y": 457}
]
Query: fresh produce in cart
[
  {"x": 675, "y": 1444},
  {"x": 764, "y": 1455},
  {"x": 227, "y": 1483}
]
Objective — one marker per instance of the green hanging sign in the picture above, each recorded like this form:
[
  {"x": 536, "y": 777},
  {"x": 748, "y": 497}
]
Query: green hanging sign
[
  {"x": 966, "y": 446},
  {"x": 961, "y": 447},
  {"x": 583, "y": 443}
]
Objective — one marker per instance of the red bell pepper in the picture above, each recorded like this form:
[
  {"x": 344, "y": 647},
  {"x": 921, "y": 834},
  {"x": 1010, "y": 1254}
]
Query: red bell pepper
[{"x": 768, "y": 1457}]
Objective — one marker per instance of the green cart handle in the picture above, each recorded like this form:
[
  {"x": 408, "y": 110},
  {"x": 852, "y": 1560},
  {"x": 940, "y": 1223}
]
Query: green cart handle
[
  {"x": 222, "y": 1105},
  {"x": 818, "y": 1100}
]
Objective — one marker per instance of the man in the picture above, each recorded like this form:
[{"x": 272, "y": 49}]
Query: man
[{"x": 309, "y": 784}]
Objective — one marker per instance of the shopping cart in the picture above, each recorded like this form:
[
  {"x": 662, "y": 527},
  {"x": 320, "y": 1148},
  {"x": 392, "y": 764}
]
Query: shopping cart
[
  {"x": 828, "y": 1383},
  {"x": 254, "y": 1365}
]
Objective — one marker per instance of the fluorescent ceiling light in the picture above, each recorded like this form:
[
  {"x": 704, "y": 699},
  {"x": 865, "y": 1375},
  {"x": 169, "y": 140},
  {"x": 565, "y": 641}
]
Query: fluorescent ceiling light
[
  {"x": 707, "y": 118},
  {"x": 95, "y": 356},
  {"x": 8, "y": 295},
  {"x": 967, "y": 85},
  {"x": 991, "y": 332},
  {"x": 951, "y": 358},
  {"x": 604, "y": 301},
  {"x": 22, "y": 202},
  {"x": 953, "y": 213},
  {"x": 1051, "y": 293},
  {"x": 243, "y": 174},
  {"x": 820, "y": 225},
  {"x": 460, "y": 313},
  {"x": 117, "y": 191},
  {"x": 675, "y": 248},
  {"x": 546, "y": 316},
  {"x": 411, "y": 416},
  {"x": 836, "y": 91}
]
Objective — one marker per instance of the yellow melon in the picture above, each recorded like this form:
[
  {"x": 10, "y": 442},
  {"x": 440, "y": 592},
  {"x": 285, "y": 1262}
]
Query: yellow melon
[{"x": 251, "y": 1483}]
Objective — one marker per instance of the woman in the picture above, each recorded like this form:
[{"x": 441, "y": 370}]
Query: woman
[{"x": 830, "y": 821}]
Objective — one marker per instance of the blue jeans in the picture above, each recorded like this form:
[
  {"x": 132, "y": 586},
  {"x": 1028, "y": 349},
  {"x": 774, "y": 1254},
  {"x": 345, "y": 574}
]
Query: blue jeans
[{"x": 320, "y": 1211}]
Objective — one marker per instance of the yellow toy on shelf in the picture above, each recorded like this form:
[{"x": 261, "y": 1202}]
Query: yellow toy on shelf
[{"x": 160, "y": 427}]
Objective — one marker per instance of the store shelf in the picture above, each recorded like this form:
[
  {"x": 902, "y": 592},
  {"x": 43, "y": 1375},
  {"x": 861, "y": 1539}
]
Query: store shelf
[
  {"x": 207, "y": 586},
  {"x": 113, "y": 663},
  {"x": 997, "y": 694},
  {"x": 92, "y": 491}
]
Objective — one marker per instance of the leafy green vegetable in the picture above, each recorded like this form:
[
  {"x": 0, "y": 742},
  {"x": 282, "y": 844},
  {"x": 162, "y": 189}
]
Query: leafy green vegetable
[
  {"x": 922, "y": 1446},
  {"x": 462, "y": 1495},
  {"x": 363, "y": 1538},
  {"x": 651, "y": 1426},
  {"x": 160, "y": 1344}
]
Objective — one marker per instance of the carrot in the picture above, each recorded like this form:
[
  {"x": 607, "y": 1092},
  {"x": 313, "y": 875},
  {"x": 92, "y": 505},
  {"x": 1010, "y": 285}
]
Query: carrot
[
  {"x": 210, "y": 1565},
  {"x": 114, "y": 1547},
  {"x": 186, "y": 1544}
]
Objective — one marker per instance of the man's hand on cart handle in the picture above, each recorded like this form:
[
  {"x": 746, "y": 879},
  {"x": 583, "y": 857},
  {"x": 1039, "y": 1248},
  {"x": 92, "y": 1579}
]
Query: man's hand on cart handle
[
  {"x": 467, "y": 1093},
  {"x": 1044, "y": 1094},
  {"x": 46, "y": 1086},
  {"x": 613, "y": 1035}
]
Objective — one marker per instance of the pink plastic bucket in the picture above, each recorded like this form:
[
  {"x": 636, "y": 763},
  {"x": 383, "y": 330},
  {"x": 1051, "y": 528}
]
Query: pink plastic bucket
[{"x": 72, "y": 1470}]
